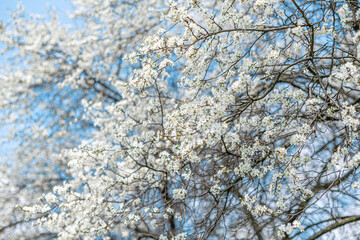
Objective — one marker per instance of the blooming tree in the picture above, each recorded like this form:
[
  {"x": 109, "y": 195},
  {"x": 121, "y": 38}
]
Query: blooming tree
[{"x": 186, "y": 120}]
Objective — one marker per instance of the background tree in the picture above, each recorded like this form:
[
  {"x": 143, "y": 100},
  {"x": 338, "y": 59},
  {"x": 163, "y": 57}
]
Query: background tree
[
  {"x": 51, "y": 69},
  {"x": 231, "y": 119}
]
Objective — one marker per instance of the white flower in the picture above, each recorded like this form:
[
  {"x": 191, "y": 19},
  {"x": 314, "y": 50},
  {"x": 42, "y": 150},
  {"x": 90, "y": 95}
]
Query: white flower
[
  {"x": 215, "y": 189},
  {"x": 298, "y": 139},
  {"x": 179, "y": 193}
]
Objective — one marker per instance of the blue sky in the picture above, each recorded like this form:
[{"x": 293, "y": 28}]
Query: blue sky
[{"x": 35, "y": 6}]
